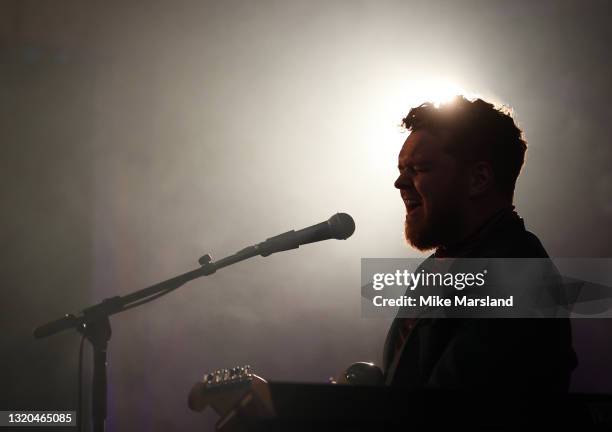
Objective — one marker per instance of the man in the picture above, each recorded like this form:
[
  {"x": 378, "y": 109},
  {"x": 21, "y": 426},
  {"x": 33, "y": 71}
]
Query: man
[{"x": 457, "y": 173}]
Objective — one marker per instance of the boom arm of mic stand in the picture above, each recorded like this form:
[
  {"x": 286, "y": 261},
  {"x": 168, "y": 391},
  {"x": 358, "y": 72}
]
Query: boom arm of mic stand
[
  {"x": 118, "y": 304},
  {"x": 94, "y": 322}
]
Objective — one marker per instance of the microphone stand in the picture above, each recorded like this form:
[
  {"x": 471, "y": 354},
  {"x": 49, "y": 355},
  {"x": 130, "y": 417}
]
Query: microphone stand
[{"x": 93, "y": 322}]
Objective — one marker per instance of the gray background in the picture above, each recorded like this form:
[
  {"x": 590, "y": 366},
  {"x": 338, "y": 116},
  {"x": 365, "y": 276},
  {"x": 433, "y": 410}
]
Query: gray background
[{"x": 140, "y": 135}]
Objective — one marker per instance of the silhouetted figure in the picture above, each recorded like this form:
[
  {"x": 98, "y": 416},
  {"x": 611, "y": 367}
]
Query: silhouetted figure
[{"x": 458, "y": 170}]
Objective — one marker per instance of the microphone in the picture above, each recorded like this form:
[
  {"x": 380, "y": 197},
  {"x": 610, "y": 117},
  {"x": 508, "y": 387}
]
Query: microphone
[{"x": 340, "y": 226}]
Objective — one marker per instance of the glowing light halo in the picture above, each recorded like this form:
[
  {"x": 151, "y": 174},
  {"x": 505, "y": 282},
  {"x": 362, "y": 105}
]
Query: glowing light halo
[
  {"x": 435, "y": 90},
  {"x": 397, "y": 98}
]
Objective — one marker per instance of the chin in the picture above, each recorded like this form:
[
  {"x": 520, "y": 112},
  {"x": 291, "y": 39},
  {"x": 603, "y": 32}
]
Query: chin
[{"x": 420, "y": 238}]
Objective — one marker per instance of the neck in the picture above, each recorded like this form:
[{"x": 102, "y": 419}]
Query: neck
[{"x": 475, "y": 218}]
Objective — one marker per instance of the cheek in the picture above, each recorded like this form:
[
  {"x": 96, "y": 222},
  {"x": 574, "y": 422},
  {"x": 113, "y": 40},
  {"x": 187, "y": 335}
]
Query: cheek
[{"x": 442, "y": 187}]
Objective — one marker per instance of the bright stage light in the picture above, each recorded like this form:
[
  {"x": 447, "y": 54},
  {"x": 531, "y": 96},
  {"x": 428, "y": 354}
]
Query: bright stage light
[
  {"x": 436, "y": 91},
  {"x": 396, "y": 99}
]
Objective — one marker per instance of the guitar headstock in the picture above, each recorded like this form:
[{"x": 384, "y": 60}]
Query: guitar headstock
[
  {"x": 224, "y": 388},
  {"x": 238, "y": 375}
]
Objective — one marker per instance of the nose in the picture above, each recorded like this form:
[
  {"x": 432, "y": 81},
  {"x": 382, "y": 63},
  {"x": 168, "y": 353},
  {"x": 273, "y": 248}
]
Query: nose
[{"x": 403, "y": 182}]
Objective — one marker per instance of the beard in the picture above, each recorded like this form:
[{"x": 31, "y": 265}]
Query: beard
[{"x": 436, "y": 228}]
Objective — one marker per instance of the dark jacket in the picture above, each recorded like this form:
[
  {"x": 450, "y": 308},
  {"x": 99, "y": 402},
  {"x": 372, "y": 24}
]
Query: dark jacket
[{"x": 485, "y": 354}]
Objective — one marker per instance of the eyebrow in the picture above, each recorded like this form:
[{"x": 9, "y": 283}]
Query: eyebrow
[{"x": 425, "y": 163}]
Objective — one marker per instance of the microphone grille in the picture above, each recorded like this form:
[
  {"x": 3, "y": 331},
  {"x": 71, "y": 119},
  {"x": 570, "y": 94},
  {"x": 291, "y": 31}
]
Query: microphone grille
[{"x": 342, "y": 226}]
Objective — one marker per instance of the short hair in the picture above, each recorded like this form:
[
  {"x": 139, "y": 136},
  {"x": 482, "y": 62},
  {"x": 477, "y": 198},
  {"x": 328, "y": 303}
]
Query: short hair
[{"x": 477, "y": 130}]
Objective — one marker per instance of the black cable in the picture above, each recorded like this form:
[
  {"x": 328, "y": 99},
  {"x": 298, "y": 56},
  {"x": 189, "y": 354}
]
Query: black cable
[
  {"x": 148, "y": 299},
  {"x": 80, "y": 387},
  {"x": 80, "y": 372},
  {"x": 82, "y": 344}
]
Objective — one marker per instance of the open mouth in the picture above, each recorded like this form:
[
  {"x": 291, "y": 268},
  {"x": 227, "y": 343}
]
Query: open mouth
[{"x": 412, "y": 205}]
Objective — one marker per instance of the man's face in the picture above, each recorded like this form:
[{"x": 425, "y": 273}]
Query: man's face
[{"x": 433, "y": 186}]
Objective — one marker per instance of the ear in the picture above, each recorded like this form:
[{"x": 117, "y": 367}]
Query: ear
[{"x": 481, "y": 178}]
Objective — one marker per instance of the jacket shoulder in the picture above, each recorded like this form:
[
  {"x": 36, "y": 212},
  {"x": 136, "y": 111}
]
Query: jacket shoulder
[{"x": 526, "y": 245}]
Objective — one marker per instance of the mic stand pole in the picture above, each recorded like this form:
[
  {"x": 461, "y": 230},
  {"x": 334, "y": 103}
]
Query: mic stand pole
[{"x": 94, "y": 323}]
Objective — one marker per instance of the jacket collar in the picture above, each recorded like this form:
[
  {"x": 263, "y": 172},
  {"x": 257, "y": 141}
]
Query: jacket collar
[{"x": 504, "y": 221}]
